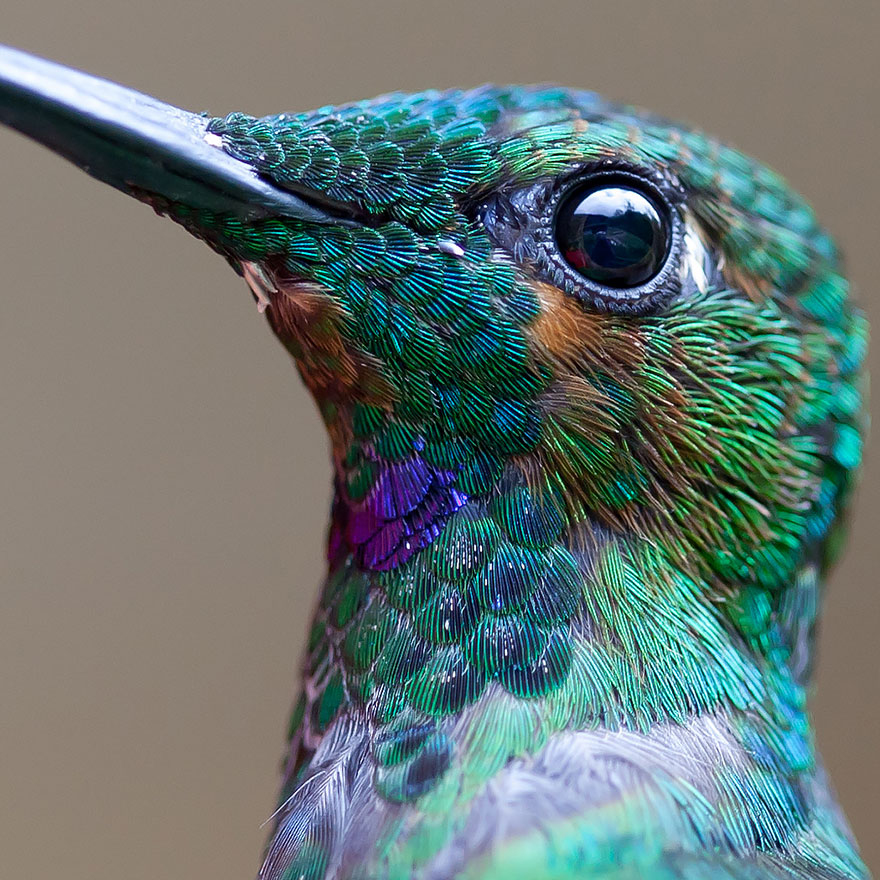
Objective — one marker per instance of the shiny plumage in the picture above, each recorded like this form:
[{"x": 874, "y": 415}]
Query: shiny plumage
[{"x": 578, "y": 540}]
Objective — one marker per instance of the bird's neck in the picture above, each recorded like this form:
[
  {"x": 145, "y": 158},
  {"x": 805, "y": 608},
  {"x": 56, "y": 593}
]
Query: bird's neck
[
  {"x": 502, "y": 641},
  {"x": 595, "y": 629}
]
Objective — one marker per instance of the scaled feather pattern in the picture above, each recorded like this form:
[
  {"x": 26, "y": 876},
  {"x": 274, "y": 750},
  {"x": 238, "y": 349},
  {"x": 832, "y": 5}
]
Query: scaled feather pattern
[
  {"x": 576, "y": 553},
  {"x": 580, "y": 528}
]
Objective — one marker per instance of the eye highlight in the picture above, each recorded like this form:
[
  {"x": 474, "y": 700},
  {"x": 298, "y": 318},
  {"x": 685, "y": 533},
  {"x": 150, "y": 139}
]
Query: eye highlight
[
  {"x": 613, "y": 233},
  {"x": 611, "y": 236}
]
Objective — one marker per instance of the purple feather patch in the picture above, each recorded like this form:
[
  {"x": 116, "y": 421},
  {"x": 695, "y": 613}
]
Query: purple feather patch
[{"x": 404, "y": 511}]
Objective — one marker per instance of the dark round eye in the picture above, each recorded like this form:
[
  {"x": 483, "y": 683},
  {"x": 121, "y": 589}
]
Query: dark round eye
[{"x": 613, "y": 233}]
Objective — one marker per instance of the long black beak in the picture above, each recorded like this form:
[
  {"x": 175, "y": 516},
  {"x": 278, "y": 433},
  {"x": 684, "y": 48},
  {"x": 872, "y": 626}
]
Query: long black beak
[{"x": 134, "y": 142}]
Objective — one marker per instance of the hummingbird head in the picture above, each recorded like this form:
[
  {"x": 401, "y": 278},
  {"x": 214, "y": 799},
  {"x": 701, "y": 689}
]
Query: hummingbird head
[
  {"x": 592, "y": 386},
  {"x": 532, "y": 289},
  {"x": 597, "y": 320}
]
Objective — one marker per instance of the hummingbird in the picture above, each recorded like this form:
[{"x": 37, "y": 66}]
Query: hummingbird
[{"x": 592, "y": 383}]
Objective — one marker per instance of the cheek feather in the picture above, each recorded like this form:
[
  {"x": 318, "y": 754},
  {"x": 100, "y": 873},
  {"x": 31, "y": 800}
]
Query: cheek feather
[
  {"x": 576, "y": 339},
  {"x": 308, "y": 322},
  {"x": 562, "y": 328}
]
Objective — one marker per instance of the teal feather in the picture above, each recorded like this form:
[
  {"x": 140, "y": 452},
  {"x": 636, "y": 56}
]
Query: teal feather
[{"x": 578, "y": 540}]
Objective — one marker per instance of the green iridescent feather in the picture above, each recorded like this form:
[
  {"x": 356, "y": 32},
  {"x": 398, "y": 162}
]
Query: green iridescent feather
[
  {"x": 591, "y": 466},
  {"x": 607, "y": 629}
]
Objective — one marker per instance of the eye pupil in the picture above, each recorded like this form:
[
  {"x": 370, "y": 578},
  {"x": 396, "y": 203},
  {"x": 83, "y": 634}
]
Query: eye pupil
[{"x": 613, "y": 234}]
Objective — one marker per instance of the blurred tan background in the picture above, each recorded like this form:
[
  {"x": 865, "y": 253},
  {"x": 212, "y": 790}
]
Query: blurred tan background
[{"x": 163, "y": 475}]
